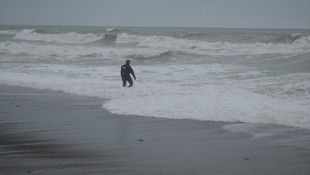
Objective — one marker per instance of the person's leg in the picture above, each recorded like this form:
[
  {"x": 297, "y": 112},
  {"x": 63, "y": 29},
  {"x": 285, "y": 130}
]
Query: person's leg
[
  {"x": 124, "y": 82},
  {"x": 130, "y": 81}
]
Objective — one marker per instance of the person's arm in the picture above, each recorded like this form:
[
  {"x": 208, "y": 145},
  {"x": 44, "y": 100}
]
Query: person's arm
[
  {"x": 132, "y": 73},
  {"x": 122, "y": 71}
]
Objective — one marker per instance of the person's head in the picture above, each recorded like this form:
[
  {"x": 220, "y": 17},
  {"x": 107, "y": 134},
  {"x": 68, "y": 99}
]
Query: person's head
[{"x": 128, "y": 62}]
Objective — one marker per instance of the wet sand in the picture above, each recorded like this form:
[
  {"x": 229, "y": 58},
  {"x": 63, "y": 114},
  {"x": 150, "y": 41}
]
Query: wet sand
[{"x": 48, "y": 132}]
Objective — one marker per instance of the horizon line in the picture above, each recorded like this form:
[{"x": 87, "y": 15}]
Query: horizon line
[{"x": 140, "y": 26}]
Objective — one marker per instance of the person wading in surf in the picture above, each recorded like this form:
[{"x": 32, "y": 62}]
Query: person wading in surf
[{"x": 126, "y": 70}]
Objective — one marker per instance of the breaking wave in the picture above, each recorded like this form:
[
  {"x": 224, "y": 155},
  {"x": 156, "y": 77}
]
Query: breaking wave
[
  {"x": 290, "y": 44},
  {"x": 254, "y": 77},
  {"x": 300, "y": 45},
  {"x": 9, "y": 32},
  {"x": 72, "y": 52},
  {"x": 72, "y": 37}
]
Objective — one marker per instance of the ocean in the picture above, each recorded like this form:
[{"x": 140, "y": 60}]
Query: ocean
[{"x": 252, "y": 76}]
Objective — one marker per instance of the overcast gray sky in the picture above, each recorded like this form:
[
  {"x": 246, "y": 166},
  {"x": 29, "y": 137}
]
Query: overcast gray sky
[{"x": 160, "y": 13}]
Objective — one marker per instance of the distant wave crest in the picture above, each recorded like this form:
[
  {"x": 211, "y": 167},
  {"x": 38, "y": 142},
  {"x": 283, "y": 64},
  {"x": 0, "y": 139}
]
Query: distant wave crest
[
  {"x": 72, "y": 37},
  {"x": 300, "y": 45}
]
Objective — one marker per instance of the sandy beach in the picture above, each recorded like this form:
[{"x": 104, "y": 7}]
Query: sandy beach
[{"x": 49, "y": 132}]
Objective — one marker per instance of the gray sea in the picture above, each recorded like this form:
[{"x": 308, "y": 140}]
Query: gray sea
[{"x": 259, "y": 78}]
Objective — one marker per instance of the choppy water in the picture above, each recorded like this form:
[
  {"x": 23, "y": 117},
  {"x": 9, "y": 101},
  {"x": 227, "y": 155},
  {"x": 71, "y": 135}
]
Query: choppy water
[{"x": 246, "y": 75}]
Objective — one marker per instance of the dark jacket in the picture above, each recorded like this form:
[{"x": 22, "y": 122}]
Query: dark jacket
[{"x": 126, "y": 70}]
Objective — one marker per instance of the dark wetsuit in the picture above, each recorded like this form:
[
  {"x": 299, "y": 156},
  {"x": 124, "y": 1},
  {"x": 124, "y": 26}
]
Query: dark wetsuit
[{"x": 126, "y": 70}]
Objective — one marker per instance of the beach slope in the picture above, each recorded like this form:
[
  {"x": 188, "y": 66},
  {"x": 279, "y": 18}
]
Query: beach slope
[{"x": 48, "y": 132}]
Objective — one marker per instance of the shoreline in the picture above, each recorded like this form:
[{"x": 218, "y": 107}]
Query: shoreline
[{"x": 50, "y": 132}]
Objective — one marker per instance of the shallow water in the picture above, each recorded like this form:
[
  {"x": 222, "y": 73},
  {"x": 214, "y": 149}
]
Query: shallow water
[{"x": 246, "y": 75}]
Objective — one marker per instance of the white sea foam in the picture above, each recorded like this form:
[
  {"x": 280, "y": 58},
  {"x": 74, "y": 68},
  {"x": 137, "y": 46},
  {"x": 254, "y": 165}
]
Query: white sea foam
[
  {"x": 8, "y": 32},
  {"x": 72, "y": 37},
  {"x": 176, "y": 77},
  {"x": 147, "y": 46},
  {"x": 208, "y": 100},
  {"x": 179, "y": 92},
  {"x": 166, "y": 43},
  {"x": 113, "y": 30},
  {"x": 301, "y": 44},
  {"x": 302, "y": 40},
  {"x": 70, "y": 51},
  {"x": 224, "y": 48}
]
